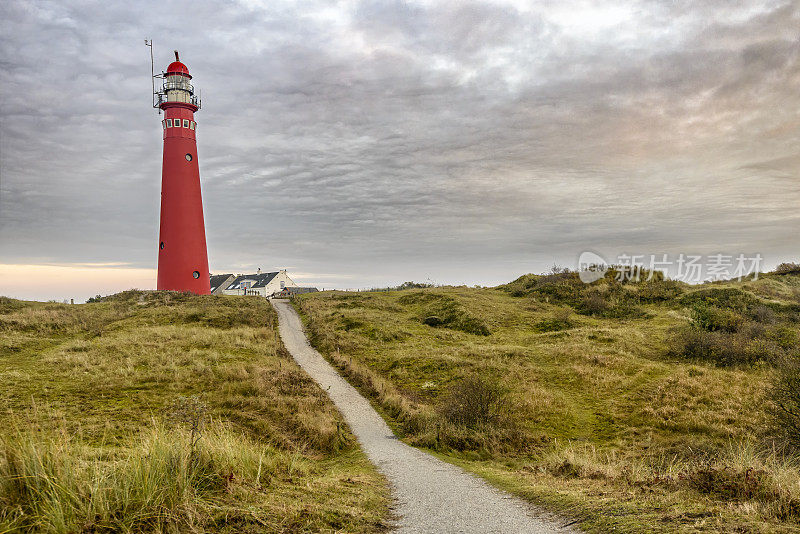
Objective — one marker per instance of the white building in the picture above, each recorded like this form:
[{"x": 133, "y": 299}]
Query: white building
[{"x": 261, "y": 284}]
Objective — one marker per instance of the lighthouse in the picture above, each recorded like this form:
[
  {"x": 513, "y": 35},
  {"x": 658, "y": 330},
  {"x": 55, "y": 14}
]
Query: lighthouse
[{"x": 182, "y": 255}]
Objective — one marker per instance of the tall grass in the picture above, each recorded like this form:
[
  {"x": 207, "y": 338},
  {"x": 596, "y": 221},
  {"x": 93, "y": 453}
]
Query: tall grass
[
  {"x": 743, "y": 473},
  {"x": 92, "y": 378},
  {"x": 55, "y": 484}
]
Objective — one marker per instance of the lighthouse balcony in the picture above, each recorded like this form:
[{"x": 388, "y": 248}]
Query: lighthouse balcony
[{"x": 177, "y": 96}]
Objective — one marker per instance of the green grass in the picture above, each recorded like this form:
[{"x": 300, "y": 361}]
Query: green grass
[
  {"x": 86, "y": 393},
  {"x": 608, "y": 422}
]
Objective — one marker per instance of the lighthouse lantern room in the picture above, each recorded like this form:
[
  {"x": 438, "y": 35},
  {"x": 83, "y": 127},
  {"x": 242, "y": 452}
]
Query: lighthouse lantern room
[{"x": 182, "y": 256}]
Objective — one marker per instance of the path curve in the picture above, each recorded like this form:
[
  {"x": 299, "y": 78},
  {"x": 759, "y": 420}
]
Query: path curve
[{"x": 432, "y": 496}]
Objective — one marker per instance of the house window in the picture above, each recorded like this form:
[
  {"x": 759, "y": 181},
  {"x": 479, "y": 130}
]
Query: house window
[
  {"x": 169, "y": 123},
  {"x": 283, "y": 284},
  {"x": 185, "y": 123}
]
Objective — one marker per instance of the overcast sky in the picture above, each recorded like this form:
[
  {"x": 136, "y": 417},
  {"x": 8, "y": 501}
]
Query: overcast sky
[{"x": 367, "y": 143}]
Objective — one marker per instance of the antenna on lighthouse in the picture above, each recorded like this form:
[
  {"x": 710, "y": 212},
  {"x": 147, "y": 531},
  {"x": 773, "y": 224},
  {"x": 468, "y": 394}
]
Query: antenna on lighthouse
[
  {"x": 176, "y": 56},
  {"x": 152, "y": 73}
]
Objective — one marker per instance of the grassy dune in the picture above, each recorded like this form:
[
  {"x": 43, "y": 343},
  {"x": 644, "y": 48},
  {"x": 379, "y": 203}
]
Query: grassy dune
[
  {"x": 96, "y": 441},
  {"x": 636, "y": 407}
]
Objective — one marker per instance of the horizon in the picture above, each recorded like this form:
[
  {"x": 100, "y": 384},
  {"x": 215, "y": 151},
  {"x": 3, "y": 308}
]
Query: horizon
[{"x": 109, "y": 287}]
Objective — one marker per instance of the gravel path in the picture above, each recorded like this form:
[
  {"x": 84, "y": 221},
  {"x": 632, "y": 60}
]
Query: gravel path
[{"x": 432, "y": 496}]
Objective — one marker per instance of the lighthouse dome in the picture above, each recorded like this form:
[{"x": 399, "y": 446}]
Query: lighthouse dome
[{"x": 176, "y": 67}]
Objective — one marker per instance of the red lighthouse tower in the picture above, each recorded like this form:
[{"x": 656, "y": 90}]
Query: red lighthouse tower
[{"x": 182, "y": 255}]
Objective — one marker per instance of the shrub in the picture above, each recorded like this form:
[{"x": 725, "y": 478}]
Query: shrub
[
  {"x": 728, "y": 298},
  {"x": 592, "y": 304},
  {"x": 615, "y": 302},
  {"x": 715, "y": 319},
  {"x": 557, "y": 285},
  {"x": 432, "y": 320},
  {"x": 783, "y": 335},
  {"x": 558, "y": 321},
  {"x": 659, "y": 290},
  {"x": 475, "y": 402},
  {"x": 445, "y": 312},
  {"x": 728, "y": 483},
  {"x": 764, "y": 314},
  {"x": 785, "y": 395},
  {"x": 787, "y": 268},
  {"x": 722, "y": 348}
]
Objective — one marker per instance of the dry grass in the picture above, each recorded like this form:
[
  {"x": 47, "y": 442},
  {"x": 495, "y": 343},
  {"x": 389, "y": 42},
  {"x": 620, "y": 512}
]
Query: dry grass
[
  {"x": 97, "y": 381},
  {"x": 608, "y": 425}
]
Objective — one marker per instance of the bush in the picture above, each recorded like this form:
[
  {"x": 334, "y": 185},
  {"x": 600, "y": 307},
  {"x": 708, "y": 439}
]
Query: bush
[
  {"x": 722, "y": 348},
  {"x": 728, "y": 298},
  {"x": 785, "y": 395},
  {"x": 764, "y": 315},
  {"x": 558, "y": 321},
  {"x": 445, "y": 312},
  {"x": 613, "y": 301},
  {"x": 784, "y": 335},
  {"x": 787, "y": 268},
  {"x": 475, "y": 402},
  {"x": 659, "y": 290},
  {"x": 592, "y": 304},
  {"x": 557, "y": 285},
  {"x": 433, "y": 320},
  {"x": 730, "y": 484},
  {"x": 715, "y": 319}
]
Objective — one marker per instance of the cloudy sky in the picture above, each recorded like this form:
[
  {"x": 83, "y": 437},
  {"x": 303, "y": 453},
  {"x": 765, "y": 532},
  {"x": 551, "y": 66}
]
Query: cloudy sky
[{"x": 365, "y": 143}]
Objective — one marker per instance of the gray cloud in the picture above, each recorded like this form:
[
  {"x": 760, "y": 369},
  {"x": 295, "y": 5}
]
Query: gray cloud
[{"x": 462, "y": 141}]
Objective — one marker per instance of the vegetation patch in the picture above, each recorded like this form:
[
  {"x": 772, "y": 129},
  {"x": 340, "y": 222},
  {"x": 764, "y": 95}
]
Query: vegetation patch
[
  {"x": 169, "y": 412},
  {"x": 559, "y": 320},
  {"x": 442, "y": 311},
  {"x": 730, "y": 326},
  {"x": 637, "y": 406}
]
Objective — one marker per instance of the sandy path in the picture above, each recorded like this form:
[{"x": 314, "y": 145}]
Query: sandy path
[{"x": 432, "y": 496}]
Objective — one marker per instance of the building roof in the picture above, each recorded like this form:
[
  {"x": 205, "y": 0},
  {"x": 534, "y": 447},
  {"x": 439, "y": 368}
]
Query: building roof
[
  {"x": 259, "y": 280},
  {"x": 217, "y": 279},
  {"x": 176, "y": 67}
]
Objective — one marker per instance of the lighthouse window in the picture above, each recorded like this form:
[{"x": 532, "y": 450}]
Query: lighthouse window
[
  {"x": 196, "y": 274},
  {"x": 169, "y": 123},
  {"x": 188, "y": 157},
  {"x": 164, "y": 124},
  {"x": 185, "y": 123},
  {"x": 191, "y": 125}
]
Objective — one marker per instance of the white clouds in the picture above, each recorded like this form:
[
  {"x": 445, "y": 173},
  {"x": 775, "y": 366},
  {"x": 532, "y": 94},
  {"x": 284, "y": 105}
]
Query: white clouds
[{"x": 401, "y": 138}]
